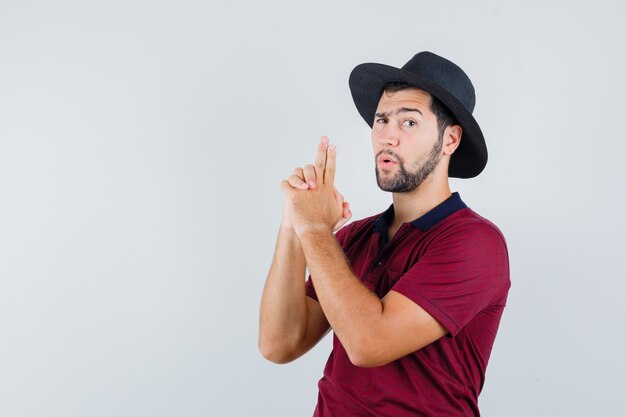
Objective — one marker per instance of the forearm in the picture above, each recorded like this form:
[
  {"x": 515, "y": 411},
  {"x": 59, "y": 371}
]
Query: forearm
[
  {"x": 352, "y": 310},
  {"x": 283, "y": 313}
]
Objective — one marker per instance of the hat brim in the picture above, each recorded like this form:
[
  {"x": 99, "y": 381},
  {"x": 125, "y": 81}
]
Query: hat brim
[{"x": 366, "y": 85}]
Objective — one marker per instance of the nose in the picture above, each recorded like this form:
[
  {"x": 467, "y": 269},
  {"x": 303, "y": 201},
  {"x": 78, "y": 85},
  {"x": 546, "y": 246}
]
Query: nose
[{"x": 387, "y": 135}]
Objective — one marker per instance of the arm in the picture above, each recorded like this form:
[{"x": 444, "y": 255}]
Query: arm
[
  {"x": 290, "y": 323},
  {"x": 373, "y": 331}
]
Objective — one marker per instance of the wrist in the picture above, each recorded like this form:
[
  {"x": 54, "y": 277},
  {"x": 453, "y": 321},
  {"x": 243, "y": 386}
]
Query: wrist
[
  {"x": 287, "y": 230},
  {"x": 313, "y": 230}
]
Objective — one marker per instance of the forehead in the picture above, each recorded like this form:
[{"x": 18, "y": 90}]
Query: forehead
[{"x": 410, "y": 97}]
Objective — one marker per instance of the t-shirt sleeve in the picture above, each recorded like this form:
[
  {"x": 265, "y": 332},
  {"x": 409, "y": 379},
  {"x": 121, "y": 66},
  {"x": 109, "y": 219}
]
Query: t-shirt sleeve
[
  {"x": 463, "y": 271},
  {"x": 341, "y": 235}
]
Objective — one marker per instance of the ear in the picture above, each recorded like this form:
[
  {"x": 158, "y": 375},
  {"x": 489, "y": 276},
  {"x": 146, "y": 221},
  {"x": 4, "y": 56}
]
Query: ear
[{"x": 452, "y": 139}]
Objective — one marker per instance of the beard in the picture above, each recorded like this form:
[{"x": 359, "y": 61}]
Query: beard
[{"x": 405, "y": 181}]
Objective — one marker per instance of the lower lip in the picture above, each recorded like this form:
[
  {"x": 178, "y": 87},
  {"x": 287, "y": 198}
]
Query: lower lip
[{"x": 386, "y": 165}]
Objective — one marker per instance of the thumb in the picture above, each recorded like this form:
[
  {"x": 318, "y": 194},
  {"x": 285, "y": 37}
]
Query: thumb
[
  {"x": 338, "y": 196},
  {"x": 347, "y": 213}
]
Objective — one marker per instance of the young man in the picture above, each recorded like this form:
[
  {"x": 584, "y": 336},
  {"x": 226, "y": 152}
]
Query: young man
[{"x": 414, "y": 295}]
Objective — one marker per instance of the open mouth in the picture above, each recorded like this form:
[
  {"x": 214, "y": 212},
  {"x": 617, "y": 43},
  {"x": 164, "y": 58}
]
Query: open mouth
[{"x": 386, "y": 161}]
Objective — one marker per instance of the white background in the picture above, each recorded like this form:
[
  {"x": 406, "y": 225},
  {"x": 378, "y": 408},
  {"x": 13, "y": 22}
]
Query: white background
[{"x": 141, "y": 147}]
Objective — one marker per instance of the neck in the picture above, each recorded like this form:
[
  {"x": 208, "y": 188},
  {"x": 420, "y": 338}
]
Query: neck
[{"x": 409, "y": 206}]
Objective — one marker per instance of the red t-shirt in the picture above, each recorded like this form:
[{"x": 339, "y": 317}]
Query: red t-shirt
[{"x": 454, "y": 264}]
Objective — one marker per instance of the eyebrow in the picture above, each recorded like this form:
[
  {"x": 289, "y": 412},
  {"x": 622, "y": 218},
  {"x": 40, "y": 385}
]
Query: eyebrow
[{"x": 400, "y": 110}]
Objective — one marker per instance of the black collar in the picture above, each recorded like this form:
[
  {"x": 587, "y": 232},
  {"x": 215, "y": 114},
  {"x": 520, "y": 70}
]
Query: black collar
[{"x": 427, "y": 220}]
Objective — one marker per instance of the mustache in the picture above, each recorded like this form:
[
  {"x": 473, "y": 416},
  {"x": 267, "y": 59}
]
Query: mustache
[{"x": 390, "y": 153}]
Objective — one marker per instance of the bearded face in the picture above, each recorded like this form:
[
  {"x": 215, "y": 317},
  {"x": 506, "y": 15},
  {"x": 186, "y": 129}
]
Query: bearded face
[{"x": 403, "y": 177}]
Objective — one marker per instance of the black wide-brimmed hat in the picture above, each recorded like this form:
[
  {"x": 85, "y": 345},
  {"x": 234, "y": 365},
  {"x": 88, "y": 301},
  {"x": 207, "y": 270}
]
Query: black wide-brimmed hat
[{"x": 444, "y": 80}]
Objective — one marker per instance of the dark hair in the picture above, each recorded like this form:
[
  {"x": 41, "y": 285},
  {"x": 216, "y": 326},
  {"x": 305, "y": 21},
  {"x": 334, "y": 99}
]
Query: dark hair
[{"x": 443, "y": 115}]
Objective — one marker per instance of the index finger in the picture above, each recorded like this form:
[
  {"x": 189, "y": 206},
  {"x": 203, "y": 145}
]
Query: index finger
[
  {"x": 331, "y": 159},
  {"x": 320, "y": 159}
]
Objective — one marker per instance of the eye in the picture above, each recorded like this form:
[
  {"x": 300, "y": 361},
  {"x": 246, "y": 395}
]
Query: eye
[
  {"x": 381, "y": 120},
  {"x": 409, "y": 123}
]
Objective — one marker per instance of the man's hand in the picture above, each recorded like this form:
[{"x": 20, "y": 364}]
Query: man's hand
[{"x": 311, "y": 200}]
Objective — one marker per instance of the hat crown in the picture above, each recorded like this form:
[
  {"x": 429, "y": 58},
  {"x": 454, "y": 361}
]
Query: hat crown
[{"x": 445, "y": 74}]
